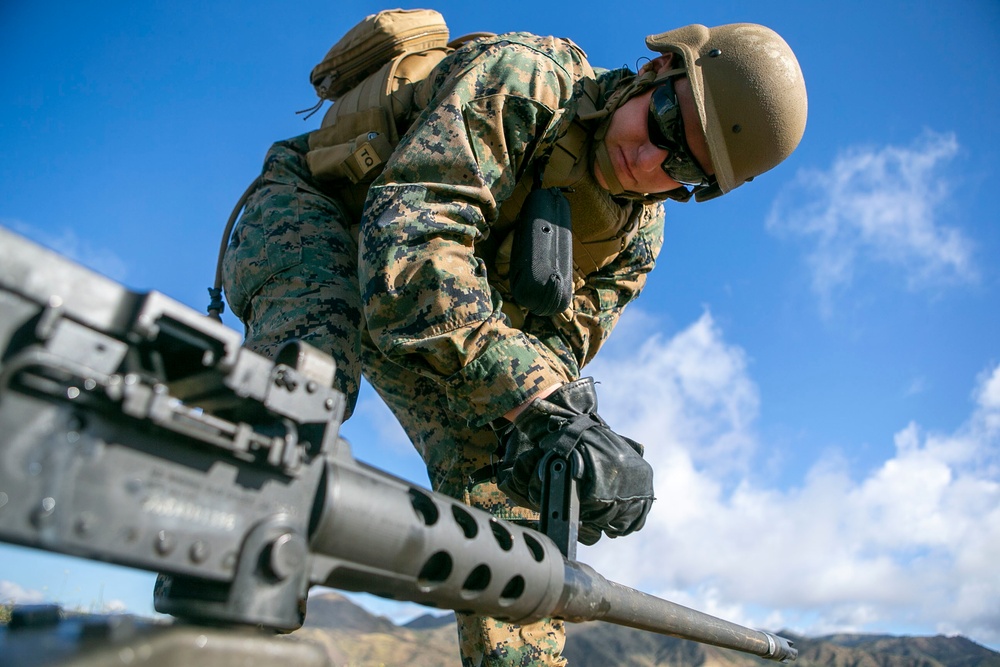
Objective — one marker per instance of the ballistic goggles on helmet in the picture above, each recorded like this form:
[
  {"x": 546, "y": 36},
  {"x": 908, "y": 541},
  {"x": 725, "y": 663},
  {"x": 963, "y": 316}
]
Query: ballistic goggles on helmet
[{"x": 666, "y": 131}]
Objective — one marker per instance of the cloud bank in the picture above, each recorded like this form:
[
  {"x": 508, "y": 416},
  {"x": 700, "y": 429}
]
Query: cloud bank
[
  {"x": 884, "y": 205},
  {"x": 11, "y": 593},
  {"x": 910, "y": 547}
]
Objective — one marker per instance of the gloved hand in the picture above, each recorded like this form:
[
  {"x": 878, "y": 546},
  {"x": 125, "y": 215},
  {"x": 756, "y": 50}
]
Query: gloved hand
[{"x": 616, "y": 491}]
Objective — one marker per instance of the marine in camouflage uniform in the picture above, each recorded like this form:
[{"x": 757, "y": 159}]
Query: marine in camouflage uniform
[
  {"x": 413, "y": 298},
  {"x": 411, "y": 289}
]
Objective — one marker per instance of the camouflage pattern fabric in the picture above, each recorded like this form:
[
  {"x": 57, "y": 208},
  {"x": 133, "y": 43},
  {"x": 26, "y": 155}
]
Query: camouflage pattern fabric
[
  {"x": 426, "y": 294},
  {"x": 290, "y": 270},
  {"x": 413, "y": 304},
  {"x": 486, "y": 642}
]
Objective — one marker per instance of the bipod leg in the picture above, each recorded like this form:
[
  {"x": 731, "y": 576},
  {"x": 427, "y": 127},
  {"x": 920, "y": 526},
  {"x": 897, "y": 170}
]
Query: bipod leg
[{"x": 560, "y": 513}]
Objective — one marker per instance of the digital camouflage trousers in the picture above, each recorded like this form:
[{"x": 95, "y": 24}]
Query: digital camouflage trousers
[{"x": 291, "y": 272}]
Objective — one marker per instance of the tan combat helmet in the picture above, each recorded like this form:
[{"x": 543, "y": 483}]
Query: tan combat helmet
[{"x": 750, "y": 95}]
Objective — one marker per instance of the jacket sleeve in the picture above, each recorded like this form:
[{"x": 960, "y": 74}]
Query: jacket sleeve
[
  {"x": 425, "y": 293},
  {"x": 576, "y": 335}
]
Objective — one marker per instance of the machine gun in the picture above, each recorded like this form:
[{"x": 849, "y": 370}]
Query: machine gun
[{"x": 136, "y": 431}]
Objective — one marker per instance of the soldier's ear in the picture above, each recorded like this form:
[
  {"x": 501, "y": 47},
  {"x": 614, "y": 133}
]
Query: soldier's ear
[{"x": 660, "y": 63}]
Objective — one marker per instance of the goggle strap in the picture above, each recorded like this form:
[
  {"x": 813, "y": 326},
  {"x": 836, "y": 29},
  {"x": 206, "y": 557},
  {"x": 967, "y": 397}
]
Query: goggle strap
[{"x": 681, "y": 194}]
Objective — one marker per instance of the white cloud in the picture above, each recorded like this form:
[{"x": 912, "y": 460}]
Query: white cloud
[
  {"x": 67, "y": 242},
  {"x": 13, "y": 593},
  {"x": 695, "y": 396},
  {"x": 112, "y": 607},
  {"x": 878, "y": 205},
  {"x": 912, "y": 546}
]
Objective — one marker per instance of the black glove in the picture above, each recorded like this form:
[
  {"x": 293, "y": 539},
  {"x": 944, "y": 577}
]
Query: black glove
[{"x": 616, "y": 491}]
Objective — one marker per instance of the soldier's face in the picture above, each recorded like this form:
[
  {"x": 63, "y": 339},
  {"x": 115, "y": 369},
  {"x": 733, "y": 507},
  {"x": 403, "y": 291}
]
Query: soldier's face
[{"x": 637, "y": 161}]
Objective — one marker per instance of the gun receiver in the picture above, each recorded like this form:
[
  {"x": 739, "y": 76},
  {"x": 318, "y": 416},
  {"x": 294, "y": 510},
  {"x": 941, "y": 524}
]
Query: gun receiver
[{"x": 136, "y": 431}]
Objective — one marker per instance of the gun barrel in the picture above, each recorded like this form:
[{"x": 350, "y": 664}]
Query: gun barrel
[
  {"x": 589, "y": 596},
  {"x": 383, "y": 535}
]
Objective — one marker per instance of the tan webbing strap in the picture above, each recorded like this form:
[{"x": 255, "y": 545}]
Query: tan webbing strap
[
  {"x": 356, "y": 160},
  {"x": 359, "y": 132},
  {"x": 615, "y": 186},
  {"x": 408, "y": 89},
  {"x": 568, "y": 158},
  {"x": 342, "y": 121},
  {"x": 349, "y": 126}
]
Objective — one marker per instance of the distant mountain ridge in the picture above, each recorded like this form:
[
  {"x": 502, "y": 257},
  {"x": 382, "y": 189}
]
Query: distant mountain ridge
[
  {"x": 353, "y": 636},
  {"x": 332, "y": 611}
]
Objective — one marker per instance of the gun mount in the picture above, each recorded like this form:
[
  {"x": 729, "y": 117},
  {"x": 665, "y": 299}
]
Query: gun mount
[{"x": 136, "y": 431}]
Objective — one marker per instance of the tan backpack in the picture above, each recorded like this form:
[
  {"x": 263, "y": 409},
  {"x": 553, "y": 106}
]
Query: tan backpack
[
  {"x": 374, "y": 77},
  {"x": 372, "y": 43}
]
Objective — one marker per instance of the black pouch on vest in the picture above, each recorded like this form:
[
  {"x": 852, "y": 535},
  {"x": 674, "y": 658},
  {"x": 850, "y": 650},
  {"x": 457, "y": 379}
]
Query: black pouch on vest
[{"x": 541, "y": 261}]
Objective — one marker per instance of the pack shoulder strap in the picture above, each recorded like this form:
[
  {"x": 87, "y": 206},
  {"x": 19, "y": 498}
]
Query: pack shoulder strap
[
  {"x": 360, "y": 131},
  {"x": 375, "y": 75}
]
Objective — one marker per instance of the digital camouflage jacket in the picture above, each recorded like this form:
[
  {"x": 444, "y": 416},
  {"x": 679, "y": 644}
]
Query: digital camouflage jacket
[{"x": 433, "y": 296}]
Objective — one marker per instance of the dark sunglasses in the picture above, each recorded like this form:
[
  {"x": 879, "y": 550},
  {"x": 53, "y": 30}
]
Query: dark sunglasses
[{"x": 666, "y": 131}]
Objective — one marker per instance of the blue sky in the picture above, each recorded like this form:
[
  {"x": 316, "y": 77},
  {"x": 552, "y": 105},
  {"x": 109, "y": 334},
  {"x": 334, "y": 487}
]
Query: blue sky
[{"x": 814, "y": 366}]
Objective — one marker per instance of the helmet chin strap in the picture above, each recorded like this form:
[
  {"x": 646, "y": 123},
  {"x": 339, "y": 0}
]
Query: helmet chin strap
[{"x": 602, "y": 160}]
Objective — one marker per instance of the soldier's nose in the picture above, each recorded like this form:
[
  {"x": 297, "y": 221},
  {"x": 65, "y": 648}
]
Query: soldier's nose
[{"x": 649, "y": 158}]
